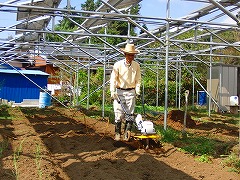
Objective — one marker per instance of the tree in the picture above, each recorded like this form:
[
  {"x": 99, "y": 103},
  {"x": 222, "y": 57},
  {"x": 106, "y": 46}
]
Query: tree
[
  {"x": 90, "y": 5},
  {"x": 119, "y": 28},
  {"x": 64, "y": 25},
  {"x": 230, "y": 36},
  {"x": 145, "y": 27}
]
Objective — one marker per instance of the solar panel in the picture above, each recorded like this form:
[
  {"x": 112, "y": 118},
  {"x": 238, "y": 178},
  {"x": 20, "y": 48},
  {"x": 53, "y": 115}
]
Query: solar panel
[
  {"x": 98, "y": 20},
  {"x": 25, "y": 13},
  {"x": 36, "y": 20},
  {"x": 118, "y": 4},
  {"x": 34, "y": 24}
]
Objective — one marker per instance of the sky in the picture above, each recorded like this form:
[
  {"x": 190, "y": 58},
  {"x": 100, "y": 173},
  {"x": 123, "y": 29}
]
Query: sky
[{"x": 151, "y": 8}]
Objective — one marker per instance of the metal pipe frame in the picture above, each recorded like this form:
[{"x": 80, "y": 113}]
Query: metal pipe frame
[{"x": 168, "y": 49}]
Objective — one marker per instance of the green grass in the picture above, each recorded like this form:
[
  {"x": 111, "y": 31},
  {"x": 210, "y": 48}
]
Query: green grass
[
  {"x": 204, "y": 148},
  {"x": 192, "y": 143},
  {"x": 198, "y": 145},
  {"x": 4, "y": 114},
  {"x": 169, "y": 135}
]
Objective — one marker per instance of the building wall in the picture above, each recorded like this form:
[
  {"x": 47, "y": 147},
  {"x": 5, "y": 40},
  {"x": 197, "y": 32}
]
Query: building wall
[
  {"x": 15, "y": 87},
  {"x": 52, "y": 71},
  {"x": 225, "y": 83},
  {"x": 238, "y": 84}
]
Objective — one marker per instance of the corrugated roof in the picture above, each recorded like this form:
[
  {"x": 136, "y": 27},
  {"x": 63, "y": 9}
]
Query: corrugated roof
[
  {"x": 6, "y": 66},
  {"x": 34, "y": 72}
]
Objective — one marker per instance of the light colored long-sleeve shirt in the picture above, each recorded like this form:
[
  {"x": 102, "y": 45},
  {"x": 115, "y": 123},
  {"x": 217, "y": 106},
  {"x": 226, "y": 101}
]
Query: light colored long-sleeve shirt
[{"x": 125, "y": 76}]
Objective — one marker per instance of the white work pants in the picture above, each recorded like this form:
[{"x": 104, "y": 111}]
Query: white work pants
[{"x": 124, "y": 109}]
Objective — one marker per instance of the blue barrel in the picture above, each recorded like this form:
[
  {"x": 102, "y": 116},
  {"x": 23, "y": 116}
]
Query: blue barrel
[
  {"x": 202, "y": 98},
  {"x": 44, "y": 99}
]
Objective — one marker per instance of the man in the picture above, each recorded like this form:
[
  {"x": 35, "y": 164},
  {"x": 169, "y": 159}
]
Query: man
[{"x": 125, "y": 83}]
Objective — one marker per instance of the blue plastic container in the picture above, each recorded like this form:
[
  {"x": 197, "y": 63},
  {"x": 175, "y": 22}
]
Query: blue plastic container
[
  {"x": 44, "y": 99},
  {"x": 202, "y": 98}
]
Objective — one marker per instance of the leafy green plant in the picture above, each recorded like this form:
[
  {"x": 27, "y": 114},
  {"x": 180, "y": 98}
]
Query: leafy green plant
[{"x": 204, "y": 158}]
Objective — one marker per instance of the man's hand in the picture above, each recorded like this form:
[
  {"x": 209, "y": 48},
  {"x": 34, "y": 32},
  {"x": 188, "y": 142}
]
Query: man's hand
[
  {"x": 114, "y": 95},
  {"x": 137, "y": 91}
]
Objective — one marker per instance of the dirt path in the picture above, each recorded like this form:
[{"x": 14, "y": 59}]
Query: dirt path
[{"x": 59, "y": 144}]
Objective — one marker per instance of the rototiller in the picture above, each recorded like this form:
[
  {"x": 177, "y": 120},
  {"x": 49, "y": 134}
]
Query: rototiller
[{"x": 145, "y": 131}]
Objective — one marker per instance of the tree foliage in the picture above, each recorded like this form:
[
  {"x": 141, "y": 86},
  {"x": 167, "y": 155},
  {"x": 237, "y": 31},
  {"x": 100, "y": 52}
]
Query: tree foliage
[
  {"x": 230, "y": 36},
  {"x": 119, "y": 28},
  {"x": 90, "y": 5}
]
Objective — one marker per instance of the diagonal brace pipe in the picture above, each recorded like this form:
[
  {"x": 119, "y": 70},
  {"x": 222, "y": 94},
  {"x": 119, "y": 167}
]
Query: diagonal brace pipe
[
  {"x": 133, "y": 22},
  {"x": 218, "y": 5}
]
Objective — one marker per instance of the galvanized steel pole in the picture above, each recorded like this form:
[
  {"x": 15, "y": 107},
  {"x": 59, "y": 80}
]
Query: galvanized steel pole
[{"x": 166, "y": 66}]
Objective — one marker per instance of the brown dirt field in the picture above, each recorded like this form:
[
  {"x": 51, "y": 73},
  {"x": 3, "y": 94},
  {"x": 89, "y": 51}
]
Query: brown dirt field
[{"x": 59, "y": 143}]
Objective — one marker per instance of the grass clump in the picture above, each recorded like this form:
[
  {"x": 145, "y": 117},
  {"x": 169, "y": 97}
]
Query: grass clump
[
  {"x": 198, "y": 145},
  {"x": 4, "y": 114},
  {"x": 16, "y": 157},
  {"x": 189, "y": 143},
  {"x": 169, "y": 135},
  {"x": 232, "y": 161}
]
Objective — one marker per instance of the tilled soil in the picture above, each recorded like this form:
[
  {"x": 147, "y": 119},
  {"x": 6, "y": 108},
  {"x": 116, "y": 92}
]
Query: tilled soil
[{"x": 58, "y": 143}]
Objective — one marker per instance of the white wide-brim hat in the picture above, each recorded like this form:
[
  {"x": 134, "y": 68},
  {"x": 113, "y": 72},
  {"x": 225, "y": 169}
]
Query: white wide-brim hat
[{"x": 130, "y": 49}]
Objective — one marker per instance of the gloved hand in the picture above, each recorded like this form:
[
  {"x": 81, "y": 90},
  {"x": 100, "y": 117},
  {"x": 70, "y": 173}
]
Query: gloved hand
[
  {"x": 137, "y": 89},
  {"x": 114, "y": 95}
]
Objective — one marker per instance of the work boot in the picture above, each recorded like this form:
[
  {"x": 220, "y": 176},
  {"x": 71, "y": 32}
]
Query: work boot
[
  {"x": 127, "y": 132},
  {"x": 117, "y": 131}
]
